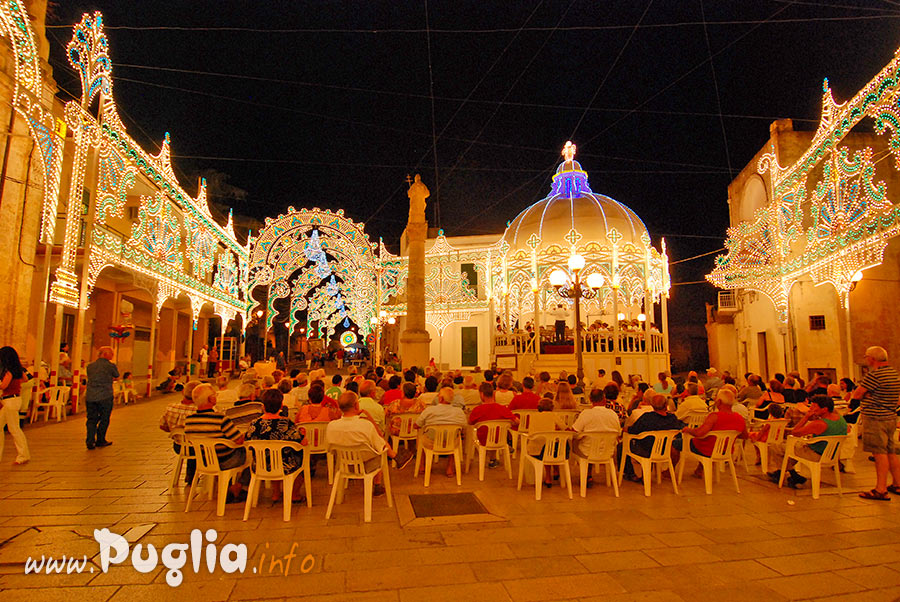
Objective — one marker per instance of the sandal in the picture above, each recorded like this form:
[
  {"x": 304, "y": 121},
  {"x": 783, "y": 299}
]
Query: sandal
[
  {"x": 874, "y": 494},
  {"x": 893, "y": 489}
]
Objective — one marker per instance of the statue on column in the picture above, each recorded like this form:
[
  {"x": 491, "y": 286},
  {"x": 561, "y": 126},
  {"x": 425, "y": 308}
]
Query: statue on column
[{"x": 417, "y": 194}]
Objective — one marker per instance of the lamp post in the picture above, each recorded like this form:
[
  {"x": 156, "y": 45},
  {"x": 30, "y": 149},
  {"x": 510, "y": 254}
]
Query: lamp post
[
  {"x": 376, "y": 321},
  {"x": 571, "y": 287}
]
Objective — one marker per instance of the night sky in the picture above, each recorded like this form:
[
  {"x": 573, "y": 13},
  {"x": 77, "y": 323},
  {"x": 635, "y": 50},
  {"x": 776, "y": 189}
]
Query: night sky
[{"x": 329, "y": 104}]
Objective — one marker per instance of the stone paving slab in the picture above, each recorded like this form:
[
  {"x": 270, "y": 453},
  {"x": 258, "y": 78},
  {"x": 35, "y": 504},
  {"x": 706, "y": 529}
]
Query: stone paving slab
[{"x": 764, "y": 543}]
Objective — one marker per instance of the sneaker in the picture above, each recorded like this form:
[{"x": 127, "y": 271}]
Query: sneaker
[{"x": 493, "y": 463}]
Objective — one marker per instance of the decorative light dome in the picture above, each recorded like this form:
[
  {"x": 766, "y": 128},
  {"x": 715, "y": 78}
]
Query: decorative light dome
[{"x": 571, "y": 205}]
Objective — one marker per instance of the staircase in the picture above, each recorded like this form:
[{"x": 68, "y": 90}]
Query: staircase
[{"x": 554, "y": 363}]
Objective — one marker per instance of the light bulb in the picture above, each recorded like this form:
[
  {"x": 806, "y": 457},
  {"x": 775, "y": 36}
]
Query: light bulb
[
  {"x": 595, "y": 280},
  {"x": 642, "y": 317},
  {"x": 392, "y": 320},
  {"x": 373, "y": 320},
  {"x": 857, "y": 276},
  {"x": 576, "y": 262},
  {"x": 621, "y": 316},
  {"x": 557, "y": 277}
]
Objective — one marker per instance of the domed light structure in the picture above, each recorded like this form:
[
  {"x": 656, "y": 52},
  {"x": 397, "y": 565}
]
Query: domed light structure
[{"x": 603, "y": 239}]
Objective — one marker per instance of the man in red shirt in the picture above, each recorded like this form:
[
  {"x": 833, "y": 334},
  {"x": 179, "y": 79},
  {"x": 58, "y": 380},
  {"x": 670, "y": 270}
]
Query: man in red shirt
[
  {"x": 527, "y": 399},
  {"x": 489, "y": 410},
  {"x": 393, "y": 392}
]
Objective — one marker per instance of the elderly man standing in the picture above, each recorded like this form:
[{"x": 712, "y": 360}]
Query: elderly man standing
[
  {"x": 98, "y": 397},
  {"x": 879, "y": 392}
]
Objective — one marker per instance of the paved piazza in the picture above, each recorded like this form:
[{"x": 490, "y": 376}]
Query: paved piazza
[{"x": 762, "y": 544}]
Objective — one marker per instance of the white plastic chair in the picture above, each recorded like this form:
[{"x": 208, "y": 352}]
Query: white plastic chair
[
  {"x": 720, "y": 456},
  {"x": 447, "y": 441},
  {"x": 208, "y": 465},
  {"x": 774, "y": 438},
  {"x": 350, "y": 465},
  {"x": 56, "y": 398},
  {"x": 660, "y": 455},
  {"x": 829, "y": 459},
  {"x": 408, "y": 431},
  {"x": 186, "y": 453},
  {"x": 599, "y": 450},
  {"x": 315, "y": 445},
  {"x": 695, "y": 418},
  {"x": 496, "y": 442},
  {"x": 554, "y": 455},
  {"x": 267, "y": 465},
  {"x": 523, "y": 429},
  {"x": 27, "y": 394},
  {"x": 568, "y": 417},
  {"x": 848, "y": 449}
]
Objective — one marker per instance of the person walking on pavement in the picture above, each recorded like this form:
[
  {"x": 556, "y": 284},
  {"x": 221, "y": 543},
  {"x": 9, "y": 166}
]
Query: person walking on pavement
[
  {"x": 212, "y": 362},
  {"x": 98, "y": 397},
  {"x": 12, "y": 376}
]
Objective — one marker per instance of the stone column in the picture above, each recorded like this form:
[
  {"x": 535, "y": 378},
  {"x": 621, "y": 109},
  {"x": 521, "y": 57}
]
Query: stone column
[{"x": 415, "y": 341}]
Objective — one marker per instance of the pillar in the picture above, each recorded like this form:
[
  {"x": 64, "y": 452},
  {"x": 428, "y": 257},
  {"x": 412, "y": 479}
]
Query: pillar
[
  {"x": 154, "y": 317},
  {"x": 665, "y": 325},
  {"x": 54, "y": 346},
  {"x": 42, "y": 310},
  {"x": 414, "y": 342}
]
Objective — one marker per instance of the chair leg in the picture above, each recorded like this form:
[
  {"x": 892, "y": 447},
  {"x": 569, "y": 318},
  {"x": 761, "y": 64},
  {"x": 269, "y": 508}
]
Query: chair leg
[
  {"x": 507, "y": 458},
  {"x": 179, "y": 460},
  {"x": 708, "y": 469},
  {"x": 395, "y": 443},
  {"x": 457, "y": 458},
  {"x": 734, "y": 476},
  {"x": 334, "y": 492},
  {"x": 681, "y": 466},
  {"x": 222, "y": 493},
  {"x": 764, "y": 458},
  {"x": 367, "y": 497},
  {"x": 783, "y": 470},
  {"x": 568, "y": 472},
  {"x": 582, "y": 475},
  {"x": 538, "y": 479},
  {"x": 611, "y": 468},
  {"x": 521, "y": 471},
  {"x": 307, "y": 483},
  {"x": 622, "y": 466},
  {"x": 672, "y": 474},
  {"x": 386, "y": 477},
  {"x": 816, "y": 474},
  {"x": 418, "y": 460},
  {"x": 187, "y": 507},
  {"x": 329, "y": 460},
  {"x": 837, "y": 476},
  {"x": 482, "y": 458},
  {"x": 647, "y": 472},
  {"x": 254, "y": 484},
  {"x": 287, "y": 493},
  {"x": 429, "y": 458}
]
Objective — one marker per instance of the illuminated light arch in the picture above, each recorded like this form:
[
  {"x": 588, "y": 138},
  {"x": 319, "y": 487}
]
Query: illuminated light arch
[
  {"x": 322, "y": 262},
  {"x": 851, "y": 218}
]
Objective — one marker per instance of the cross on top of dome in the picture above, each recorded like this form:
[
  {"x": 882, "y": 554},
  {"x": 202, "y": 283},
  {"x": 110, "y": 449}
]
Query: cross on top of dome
[{"x": 568, "y": 151}]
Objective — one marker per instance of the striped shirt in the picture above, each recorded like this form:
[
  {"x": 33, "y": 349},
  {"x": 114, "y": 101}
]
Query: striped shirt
[
  {"x": 882, "y": 396},
  {"x": 245, "y": 412},
  {"x": 209, "y": 423}
]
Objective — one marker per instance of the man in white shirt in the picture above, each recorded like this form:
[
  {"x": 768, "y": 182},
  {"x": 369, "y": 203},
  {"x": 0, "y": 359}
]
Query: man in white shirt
[
  {"x": 598, "y": 418},
  {"x": 601, "y": 380},
  {"x": 357, "y": 429},
  {"x": 225, "y": 397},
  {"x": 692, "y": 403},
  {"x": 368, "y": 404},
  {"x": 644, "y": 407}
]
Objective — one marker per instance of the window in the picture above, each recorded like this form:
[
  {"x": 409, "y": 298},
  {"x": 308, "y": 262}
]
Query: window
[
  {"x": 817, "y": 322},
  {"x": 469, "y": 270}
]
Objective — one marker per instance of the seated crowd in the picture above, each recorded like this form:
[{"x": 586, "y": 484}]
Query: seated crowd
[{"x": 364, "y": 410}]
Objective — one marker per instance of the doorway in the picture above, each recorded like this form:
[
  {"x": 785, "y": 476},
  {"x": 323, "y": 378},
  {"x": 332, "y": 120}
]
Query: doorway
[
  {"x": 469, "y": 339},
  {"x": 763, "y": 349}
]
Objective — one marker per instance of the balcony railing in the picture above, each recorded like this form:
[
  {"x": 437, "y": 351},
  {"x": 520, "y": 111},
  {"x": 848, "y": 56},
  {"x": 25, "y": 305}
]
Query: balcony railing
[{"x": 591, "y": 342}]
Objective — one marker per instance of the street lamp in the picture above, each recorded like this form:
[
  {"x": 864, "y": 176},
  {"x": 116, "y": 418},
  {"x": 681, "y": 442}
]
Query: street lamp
[
  {"x": 571, "y": 287},
  {"x": 376, "y": 322}
]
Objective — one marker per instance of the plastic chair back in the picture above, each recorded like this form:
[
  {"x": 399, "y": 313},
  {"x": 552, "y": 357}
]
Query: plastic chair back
[
  {"x": 315, "y": 437},
  {"x": 777, "y": 430},
  {"x": 695, "y": 418},
  {"x": 496, "y": 433},
  {"x": 207, "y": 458},
  {"x": 446, "y": 437},
  {"x": 600, "y": 447},
  {"x": 568, "y": 416},
  {"x": 554, "y": 445},
  {"x": 525, "y": 419},
  {"x": 350, "y": 461},
  {"x": 56, "y": 396},
  {"x": 724, "y": 441},
  {"x": 831, "y": 453},
  {"x": 407, "y": 425},
  {"x": 267, "y": 460},
  {"x": 177, "y": 435},
  {"x": 662, "y": 445}
]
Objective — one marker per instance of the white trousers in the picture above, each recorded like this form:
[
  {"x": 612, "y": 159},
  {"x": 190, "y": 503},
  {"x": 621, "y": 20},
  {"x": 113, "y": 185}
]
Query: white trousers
[{"x": 9, "y": 415}]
